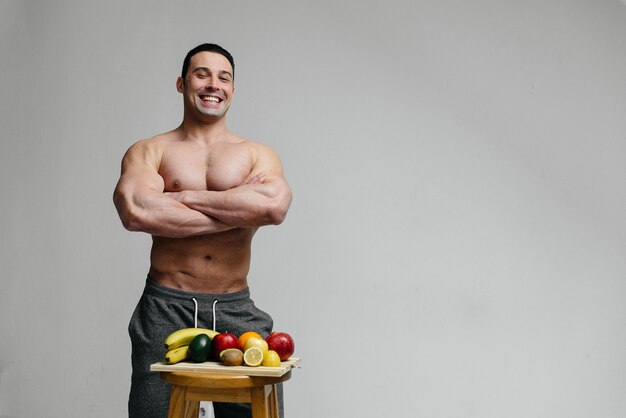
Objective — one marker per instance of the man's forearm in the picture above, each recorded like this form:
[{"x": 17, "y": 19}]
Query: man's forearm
[
  {"x": 173, "y": 225},
  {"x": 166, "y": 217},
  {"x": 249, "y": 205}
]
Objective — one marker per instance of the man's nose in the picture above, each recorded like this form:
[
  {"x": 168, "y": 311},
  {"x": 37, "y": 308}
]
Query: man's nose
[{"x": 211, "y": 83}]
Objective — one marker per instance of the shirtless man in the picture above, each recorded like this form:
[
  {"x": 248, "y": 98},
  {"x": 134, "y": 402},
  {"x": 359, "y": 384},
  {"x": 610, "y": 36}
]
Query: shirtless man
[{"x": 201, "y": 192}]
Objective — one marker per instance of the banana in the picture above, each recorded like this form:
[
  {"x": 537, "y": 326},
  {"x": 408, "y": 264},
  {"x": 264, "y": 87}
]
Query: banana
[
  {"x": 184, "y": 336},
  {"x": 177, "y": 354}
]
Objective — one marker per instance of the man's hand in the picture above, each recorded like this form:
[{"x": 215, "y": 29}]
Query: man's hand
[
  {"x": 183, "y": 195},
  {"x": 262, "y": 198},
  {"x": 254, "y": 178},
  {"x": 142, "y": 205},
  {"x": 259, "y": 200}
]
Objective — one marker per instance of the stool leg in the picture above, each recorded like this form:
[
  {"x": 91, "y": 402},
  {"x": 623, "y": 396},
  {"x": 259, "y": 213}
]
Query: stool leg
[
  {"x": 273, "y": 403},
  {"x": 259, "y": 402},
  {"x": 179, "y": 408},
  {"x": 192, "y": 409},
  {"x": 177, "y": 402}
]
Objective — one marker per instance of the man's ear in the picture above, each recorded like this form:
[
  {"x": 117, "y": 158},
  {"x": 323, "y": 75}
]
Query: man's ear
[{"x": 180, "y": 84}]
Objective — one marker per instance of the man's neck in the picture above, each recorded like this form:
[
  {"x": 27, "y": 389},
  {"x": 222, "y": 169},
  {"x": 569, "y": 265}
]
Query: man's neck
[{"x": 204, "y": 131}]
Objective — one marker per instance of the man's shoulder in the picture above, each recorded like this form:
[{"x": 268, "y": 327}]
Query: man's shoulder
[
  {"x": 255, "y": 146},
  {"x": 149, "y": 150},
  {"x": 159, "y": 140},
  {"x": 155, "y": 143},
  {"x": 262, "y": 154}
]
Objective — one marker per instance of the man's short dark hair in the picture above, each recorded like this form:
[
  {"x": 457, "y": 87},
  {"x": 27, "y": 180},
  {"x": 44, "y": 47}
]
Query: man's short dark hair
[{"x": 206, "y": 48}]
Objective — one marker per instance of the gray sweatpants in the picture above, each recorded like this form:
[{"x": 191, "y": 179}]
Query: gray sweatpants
[{"x": 161, "y": 311}]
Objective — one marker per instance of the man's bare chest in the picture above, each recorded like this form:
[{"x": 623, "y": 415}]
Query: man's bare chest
[{"x": 191, "y": 167}]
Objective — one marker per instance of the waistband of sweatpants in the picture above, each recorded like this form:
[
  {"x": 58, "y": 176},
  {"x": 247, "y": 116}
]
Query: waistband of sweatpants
[{"x": 156, "y": 289}]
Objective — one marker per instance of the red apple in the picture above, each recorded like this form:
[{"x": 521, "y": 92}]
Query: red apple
[
  {"x": 221, "y": 342},
  {"x": 282, "y": 343}
]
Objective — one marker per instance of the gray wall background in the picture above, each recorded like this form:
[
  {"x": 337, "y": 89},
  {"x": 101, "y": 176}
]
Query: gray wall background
[{"x": 456, "y": 243}]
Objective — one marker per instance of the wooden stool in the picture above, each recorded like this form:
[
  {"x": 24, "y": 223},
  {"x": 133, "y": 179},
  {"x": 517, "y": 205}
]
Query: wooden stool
[{"x": 188, "y": 389}]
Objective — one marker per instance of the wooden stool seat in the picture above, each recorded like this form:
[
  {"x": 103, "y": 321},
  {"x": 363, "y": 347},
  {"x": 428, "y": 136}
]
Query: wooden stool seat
[{"x": 188, "y": 389}]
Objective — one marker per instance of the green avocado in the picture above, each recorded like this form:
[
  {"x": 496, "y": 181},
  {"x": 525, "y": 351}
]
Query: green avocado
[{"x": 200, "y": 348}]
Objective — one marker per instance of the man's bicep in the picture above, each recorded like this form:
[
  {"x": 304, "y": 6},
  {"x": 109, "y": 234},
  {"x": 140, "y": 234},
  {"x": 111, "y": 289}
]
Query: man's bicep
[
  {"x": 140, "y": 179},
  {"x": 143, "y": 205},
  {"x": 140, "y": 168},
  {"x": 274, "y": 187},
  {"x": 267, "y": 163},
  {"x": 139, "y": 183}
]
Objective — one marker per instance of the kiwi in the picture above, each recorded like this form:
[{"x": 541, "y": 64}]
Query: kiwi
[
  {"x": 232, "y": 357},
  {"x": 200, "y": 348}
]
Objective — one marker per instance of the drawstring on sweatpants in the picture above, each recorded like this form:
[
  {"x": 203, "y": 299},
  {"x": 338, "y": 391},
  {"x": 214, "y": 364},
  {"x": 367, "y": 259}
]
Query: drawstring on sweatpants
[
  {"x": 214, "y": 318},
  {"x": 195, "y": 315}
]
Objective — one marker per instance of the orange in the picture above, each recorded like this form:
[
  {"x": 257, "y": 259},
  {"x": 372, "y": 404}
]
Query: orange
[{"x": 245, "y": 336}]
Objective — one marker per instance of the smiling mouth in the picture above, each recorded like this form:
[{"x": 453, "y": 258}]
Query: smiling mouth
[{"x": 210, "y": 99}]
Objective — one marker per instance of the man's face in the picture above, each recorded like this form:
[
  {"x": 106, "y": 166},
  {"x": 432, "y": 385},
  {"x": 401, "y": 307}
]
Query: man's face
[{"x": 208, "y": 86}]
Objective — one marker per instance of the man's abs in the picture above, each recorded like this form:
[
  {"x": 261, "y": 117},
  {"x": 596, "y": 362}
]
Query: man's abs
[{"x": 216, "y": 263}]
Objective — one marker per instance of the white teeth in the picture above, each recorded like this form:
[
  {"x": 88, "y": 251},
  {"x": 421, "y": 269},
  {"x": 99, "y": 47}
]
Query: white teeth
[{"x": 210, "y": 99}]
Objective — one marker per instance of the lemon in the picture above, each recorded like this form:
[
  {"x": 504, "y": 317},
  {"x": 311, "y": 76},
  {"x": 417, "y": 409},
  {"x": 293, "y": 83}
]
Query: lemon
[
  {"x": 271, "y": 359},
  {"x": 253, "y": 356},
  {"x": 255, "y": 342}
]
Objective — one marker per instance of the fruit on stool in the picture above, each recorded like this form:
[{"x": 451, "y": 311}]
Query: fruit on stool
[
  {"x": 247, "y": 335},
  {"x": 184, "y": 336},
  {"x": 232, "y": 357},
  {"x": 177, "y": 355},
  {"x": 222, "y": 342},
  {"x": 282, "y": 343},
  {"x": 253, "y": 356},
  {"x": 271, "y": 359},
  {"x": 255, "y": 342},
  {"x": 200, "y": 348}
]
